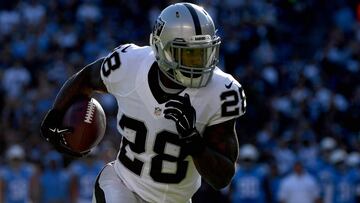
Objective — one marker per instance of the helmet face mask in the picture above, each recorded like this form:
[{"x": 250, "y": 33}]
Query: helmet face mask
[
  {"x": 185, "y": 55},
  {"x": 189, "y": 57}
]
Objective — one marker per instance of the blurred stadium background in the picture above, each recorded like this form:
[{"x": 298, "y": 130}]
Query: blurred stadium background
[{"x": 298, "y": 60}]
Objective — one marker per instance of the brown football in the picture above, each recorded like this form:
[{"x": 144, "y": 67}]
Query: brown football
[{"x": 87, "y": 119}]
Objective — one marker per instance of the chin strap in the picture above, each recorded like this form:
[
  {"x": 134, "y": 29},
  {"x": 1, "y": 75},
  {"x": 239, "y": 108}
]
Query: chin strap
[{"x": 167, "y": 89}]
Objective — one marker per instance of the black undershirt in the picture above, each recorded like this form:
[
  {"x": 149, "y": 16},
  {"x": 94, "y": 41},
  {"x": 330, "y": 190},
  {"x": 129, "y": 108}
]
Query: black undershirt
[{"x": 159, "y": 94}]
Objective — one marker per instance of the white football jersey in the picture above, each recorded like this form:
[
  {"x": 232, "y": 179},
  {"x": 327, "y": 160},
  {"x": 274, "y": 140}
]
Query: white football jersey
[{"x": 151, "y": 161}]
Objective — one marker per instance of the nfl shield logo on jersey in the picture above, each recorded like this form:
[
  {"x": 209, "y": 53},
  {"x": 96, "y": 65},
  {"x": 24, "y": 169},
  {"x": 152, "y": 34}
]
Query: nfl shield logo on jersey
[{"x": 157, "y": 111}]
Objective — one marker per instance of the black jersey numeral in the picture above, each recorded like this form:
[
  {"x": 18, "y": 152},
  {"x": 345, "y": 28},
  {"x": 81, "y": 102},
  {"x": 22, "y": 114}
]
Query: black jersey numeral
[
  {"x": 111, "y": 63},
  {"x": 138, "y": 146},
  {"x": 229, "y": 106},
  {"x": 243, "y": 99},
  {"x": 164, "y": 141}
]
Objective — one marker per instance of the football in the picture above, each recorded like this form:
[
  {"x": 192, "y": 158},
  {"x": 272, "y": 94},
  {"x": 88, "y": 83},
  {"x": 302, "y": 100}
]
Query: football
[{"x": 87, "y": 119}]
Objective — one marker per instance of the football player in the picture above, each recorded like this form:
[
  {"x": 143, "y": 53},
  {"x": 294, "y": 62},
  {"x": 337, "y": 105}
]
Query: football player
[
  {"x": 249, "y": 183},
  {"x": 176, "y": 111},
  {"x": 53, "y": 183},
  {"x": 16, "y": 177},
  {"x": 83, "y": 176}
]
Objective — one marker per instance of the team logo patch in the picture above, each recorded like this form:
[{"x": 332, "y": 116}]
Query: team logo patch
[
  {"x": 157, "y": 111},
  {"x": 158, "y": 27}
]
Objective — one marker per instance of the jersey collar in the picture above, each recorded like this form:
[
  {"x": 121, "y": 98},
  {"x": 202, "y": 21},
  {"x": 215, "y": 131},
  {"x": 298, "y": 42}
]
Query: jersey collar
[{"x": 153, "y": 79}]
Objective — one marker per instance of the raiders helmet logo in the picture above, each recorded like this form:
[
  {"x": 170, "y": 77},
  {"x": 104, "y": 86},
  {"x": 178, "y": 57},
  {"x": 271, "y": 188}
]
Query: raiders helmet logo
[{"x": 158, "y": 27}]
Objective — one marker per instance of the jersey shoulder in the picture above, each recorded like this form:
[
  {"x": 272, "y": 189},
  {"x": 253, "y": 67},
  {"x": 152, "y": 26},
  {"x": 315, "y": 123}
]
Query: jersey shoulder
[
  {"x": 223, "y": 81},
  {"x": 124, "y": 58},
  {"x": 226, "y": 97},
  {"x": 124, "y": 63}
]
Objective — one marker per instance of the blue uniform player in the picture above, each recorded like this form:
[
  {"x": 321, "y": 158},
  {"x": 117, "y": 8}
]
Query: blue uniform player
[
  {"x": 324, "y": 170},
  {"x": 345, "y": 187},
  {"x": 248, "y": 185},
  {"x": 353, "y": 164},
  {"x": 54, "y": 181},
  {"x": 15, "y": 177},
  {"x": 345, "y": 181},
  {"x": 84, "y": 173}
]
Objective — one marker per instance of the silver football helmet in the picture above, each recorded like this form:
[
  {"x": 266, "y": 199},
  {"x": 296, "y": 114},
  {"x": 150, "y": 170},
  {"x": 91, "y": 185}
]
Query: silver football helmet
[{"x": 185, "y": 44}]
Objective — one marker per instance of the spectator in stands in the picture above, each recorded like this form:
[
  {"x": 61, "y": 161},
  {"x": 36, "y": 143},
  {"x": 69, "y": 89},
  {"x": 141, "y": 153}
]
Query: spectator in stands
[
  {"x": 299, "y": 187},
  {"x": 15, "y": 79},
  {"x": 273, "y": 179}
]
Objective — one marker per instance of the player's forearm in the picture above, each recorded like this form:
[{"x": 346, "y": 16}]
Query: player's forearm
[
  {"x": 215, "y": 168},
  {"x": 73, "y": 88},
  {"x": 81, "y": 84}
]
